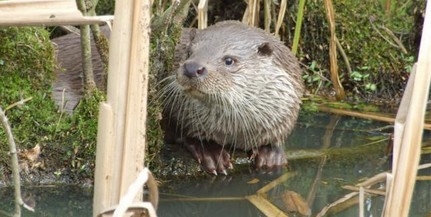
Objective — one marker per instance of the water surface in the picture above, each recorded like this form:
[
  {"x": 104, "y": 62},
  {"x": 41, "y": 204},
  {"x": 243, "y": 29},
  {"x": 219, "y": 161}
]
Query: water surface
[{"x": 326, "y": 152}]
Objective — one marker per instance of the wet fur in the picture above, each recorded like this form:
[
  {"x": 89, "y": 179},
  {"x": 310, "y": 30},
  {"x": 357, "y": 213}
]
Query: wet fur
[
  {"x": 68, "y": 84},
  {"x": 248, "y": 105}
]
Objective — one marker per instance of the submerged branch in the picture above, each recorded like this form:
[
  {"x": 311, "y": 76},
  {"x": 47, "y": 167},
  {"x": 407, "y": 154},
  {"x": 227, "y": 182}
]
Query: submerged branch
[
  {"x": 366, "y": 187},
  {"x": 370, "y": 116}
]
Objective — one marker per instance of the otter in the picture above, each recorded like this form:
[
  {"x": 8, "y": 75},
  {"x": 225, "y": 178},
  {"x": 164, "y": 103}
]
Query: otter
[{"x": 236, "y": 87}]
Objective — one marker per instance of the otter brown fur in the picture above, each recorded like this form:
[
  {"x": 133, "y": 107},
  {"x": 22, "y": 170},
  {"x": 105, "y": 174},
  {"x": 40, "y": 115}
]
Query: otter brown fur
[
  {"x": 68, "y": 83},
  {"x": 235, "y": 86}
]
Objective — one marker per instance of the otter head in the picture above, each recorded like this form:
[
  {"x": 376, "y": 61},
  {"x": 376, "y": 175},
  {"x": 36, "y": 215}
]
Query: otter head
[{"x": 222, "y": 58}]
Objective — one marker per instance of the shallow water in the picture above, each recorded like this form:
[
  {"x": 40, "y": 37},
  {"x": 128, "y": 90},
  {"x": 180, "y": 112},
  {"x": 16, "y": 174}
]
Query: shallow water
[{"x": 326, "y": 152}]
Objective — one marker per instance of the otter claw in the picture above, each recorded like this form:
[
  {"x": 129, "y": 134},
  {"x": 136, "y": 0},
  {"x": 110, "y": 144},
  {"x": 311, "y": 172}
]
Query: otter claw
[
  {"x": 268, "y": 158},
  {"x": 212, "y": 157},
  {"x": 230, "y": 166}
]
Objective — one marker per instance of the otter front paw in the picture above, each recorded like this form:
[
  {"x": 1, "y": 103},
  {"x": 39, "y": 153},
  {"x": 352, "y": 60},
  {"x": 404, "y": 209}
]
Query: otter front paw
[
  {"x": 268, "y": 158},
  {"x": 212, "y": 157}
]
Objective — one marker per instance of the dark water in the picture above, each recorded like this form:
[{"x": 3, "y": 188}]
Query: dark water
[{"x": 326, "y": 152}]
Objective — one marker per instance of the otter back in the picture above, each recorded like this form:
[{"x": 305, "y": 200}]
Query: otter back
[{"x": 68, "y": 83}]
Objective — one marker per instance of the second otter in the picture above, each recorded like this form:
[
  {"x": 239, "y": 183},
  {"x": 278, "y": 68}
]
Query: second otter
[{"x": 235, "y": 86}]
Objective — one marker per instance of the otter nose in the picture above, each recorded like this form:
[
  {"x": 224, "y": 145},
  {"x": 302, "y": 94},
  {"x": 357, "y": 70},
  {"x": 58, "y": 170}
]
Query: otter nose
[{"x": 194, "y": 69}]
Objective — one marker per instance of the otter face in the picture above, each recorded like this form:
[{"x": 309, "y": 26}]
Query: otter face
[
  {"x": 200, "y": 79},
  {"x": 216, "y": 64}
]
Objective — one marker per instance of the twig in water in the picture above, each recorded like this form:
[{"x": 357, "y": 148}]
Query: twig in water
[{"x": 15, "y": 166}]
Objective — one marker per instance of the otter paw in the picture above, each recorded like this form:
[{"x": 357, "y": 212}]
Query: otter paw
[
  {"x": 268, "y": 158},
  {"x": 212, "y": 157}
]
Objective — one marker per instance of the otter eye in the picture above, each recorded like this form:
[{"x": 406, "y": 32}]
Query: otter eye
[{"x": 228, "y": 61}]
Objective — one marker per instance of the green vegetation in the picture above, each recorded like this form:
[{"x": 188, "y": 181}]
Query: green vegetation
[
  {"x": 105, "y": 7},
  {"x": 378, "y": 46},
  {"x": 69, "y": 141},
  {"x": 26, "y": 66},
  {"x": 26, "y": 70},
  {"x": 163, "y": 39}
]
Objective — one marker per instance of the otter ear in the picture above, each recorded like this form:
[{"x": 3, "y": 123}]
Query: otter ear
[{"x": 265, "y": 49}]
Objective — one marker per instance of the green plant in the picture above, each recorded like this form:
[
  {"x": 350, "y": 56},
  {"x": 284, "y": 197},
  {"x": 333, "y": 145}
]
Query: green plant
[
  {"x": 409, "y": 61},
  {"x": 314, "y": 77},
  {"x": 362, "y": 80}
]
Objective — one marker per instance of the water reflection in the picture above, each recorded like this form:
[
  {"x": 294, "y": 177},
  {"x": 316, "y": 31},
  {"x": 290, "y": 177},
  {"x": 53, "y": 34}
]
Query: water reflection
[
  {"x": 50, "y": 201},
  {"x": 326, "y": 153}
]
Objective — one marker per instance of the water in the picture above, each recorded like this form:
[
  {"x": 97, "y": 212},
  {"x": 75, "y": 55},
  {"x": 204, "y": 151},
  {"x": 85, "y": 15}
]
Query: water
[
  {"x": 67, "y": 201},
  {"x": 326, "y": 152}
]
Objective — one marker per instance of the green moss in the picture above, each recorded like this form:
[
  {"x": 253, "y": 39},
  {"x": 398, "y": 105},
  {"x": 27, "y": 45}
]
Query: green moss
[
  {"x": 162, "y": 61},
  {"x": 80, "y": 137},
  {"x": 69, "y": 141},
  {"x": 26, "y": 70},
  {"x": 26, "y": 66},
  {"x": 105, "y": 7}
]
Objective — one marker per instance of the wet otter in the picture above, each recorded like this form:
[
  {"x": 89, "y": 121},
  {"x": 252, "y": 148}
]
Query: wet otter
[
  {"x": 235, "y": 86},
  {"x": 68, "y": 83}
]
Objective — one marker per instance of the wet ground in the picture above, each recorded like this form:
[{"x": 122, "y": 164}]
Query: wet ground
[{"x": 326, "y": 152}]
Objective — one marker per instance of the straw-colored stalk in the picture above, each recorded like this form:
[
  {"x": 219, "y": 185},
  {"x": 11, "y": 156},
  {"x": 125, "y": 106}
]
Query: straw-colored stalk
[
  {"x": 251, "y": 13},
  {"x": 409, "y": 128},
  {"x": 203, "y": 14},
  {"x": 364, "y": 115},
  {"x": 281, "y": 14},
  {"x": 339, "y": 90},
  {"x": 121, "y": 134},
  {"x": 267, "y": 15}
]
